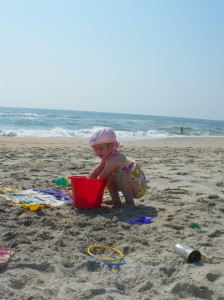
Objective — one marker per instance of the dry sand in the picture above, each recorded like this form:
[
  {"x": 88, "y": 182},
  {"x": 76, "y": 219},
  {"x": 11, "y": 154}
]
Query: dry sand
[{"x": 186, "y": 179}]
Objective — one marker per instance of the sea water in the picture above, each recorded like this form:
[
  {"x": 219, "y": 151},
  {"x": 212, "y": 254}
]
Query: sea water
[{"x": 31, "y": 122}]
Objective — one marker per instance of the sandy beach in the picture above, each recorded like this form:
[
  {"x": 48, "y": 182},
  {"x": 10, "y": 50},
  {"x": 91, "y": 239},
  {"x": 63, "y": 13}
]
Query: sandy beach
[{"x": 50, "y": 261}]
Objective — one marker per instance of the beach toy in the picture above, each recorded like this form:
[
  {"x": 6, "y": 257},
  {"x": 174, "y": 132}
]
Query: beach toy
[
  {"x": 87, "y": 192},
  {"x": 195, "y": 226},
  {"x": 103, "y": 258},
  {"x": 4, "y": 251},
  {"x": 32, "y": 206},
  {"x": 62, "y": 181},
  {"x": 5, "y": 255},
  {"x": 141, "y": 220},
  {"x": 108, "y": 263}
]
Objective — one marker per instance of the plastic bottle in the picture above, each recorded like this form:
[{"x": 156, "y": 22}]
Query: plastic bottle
[{"x": 62, "y": 181}]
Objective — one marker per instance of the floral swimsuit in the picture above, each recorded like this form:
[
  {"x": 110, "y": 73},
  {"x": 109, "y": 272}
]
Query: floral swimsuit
[{"x": 132, "y": 168}]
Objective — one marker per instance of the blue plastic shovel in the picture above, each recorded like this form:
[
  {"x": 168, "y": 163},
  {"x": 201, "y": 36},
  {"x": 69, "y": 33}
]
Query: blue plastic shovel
[{"x": 141, "y": 220}]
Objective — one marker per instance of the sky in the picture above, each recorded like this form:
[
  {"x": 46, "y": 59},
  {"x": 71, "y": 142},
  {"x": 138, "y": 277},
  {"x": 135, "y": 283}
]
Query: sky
[{"x": 154, "y": 57}]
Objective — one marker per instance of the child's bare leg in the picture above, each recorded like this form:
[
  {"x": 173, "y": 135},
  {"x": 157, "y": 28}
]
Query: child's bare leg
[
  {"x": 114, "y": 195},
  {"x": 126, "y": 185}
]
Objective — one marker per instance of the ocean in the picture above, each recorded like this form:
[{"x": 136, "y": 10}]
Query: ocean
[{"x": 32, "y": 122}]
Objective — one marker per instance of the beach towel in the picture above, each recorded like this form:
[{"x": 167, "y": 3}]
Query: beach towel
[{"x": 36, "y": 198}]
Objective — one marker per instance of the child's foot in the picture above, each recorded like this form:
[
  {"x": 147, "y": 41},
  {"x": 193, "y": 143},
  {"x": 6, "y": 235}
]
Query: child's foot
[
  {"x": 111, "y": 202},
  {"x": 129, "y": 207}
]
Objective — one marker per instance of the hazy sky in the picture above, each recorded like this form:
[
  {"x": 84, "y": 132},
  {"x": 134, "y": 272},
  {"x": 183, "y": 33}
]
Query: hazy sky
[{"x": 156, "y": 57}]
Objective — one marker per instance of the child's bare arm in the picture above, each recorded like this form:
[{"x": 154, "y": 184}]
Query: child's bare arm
[
  {"x": 97, "y": 170},
  {"x": 107, "y": 170}
]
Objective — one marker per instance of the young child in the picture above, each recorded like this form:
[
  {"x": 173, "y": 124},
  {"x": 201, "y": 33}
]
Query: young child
[{"x": 123, "y": 172}]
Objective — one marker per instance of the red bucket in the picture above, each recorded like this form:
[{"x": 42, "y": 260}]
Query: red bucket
[{"x": 87, "y": 192}]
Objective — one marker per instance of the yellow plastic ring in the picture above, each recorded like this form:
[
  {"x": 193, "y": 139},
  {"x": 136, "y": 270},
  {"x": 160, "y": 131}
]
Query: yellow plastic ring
[{"x": 108, "y": 259}]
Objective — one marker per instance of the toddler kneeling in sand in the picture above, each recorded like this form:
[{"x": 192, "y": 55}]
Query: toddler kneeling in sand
[{"x": 123, "y": 172}]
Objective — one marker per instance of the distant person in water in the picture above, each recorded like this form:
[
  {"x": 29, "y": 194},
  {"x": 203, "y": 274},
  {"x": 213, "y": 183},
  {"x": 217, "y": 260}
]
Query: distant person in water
[
  {"x": 181, "y": 130},
  {"x": 123, "y": 172}
]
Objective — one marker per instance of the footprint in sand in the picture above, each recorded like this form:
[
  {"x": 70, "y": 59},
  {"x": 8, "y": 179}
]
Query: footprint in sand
[
  {"x": 185, "y": 290},
  {"x": 212, "y": 277}
]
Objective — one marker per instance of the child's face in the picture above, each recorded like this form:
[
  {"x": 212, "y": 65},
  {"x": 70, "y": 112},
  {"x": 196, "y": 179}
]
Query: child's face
[{"x": 103, "y": 150}]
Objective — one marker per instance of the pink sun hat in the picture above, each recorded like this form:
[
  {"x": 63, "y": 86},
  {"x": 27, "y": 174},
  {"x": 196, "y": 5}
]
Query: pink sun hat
[{"x": 104, "y": 136}]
